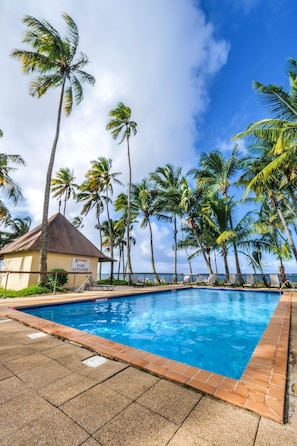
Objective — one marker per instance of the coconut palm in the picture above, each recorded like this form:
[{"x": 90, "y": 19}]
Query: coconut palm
[
  {"x": 101, "y": 178},
  {"x": 281, "y": 128},
  {"x": 216, "y": 173},
  {"x": 271, "y": 231},
  {"x": 167, "y": 181},
  {"x": 121, "y": 205},
  {"x": 191, "y": 203},
  {"x": 267, "y": 186},
  {"x": 92, "y": 199},
  {"x": 63, "y": 185},
  {"x": 55, "y": 61},
  {"x": 121, "y": 126},
  {"x": 143, "y": 201},
  {"x": 8, "y": 187},
  {"x": 119, "y": 229},
  {"x": 16, "y": 228}
]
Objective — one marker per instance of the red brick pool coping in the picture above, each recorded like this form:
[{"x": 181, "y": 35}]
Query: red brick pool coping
[{"x": 261, "y": 388}]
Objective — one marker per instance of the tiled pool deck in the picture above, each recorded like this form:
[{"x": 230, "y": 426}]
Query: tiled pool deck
[{"x": 261, "y": 389}]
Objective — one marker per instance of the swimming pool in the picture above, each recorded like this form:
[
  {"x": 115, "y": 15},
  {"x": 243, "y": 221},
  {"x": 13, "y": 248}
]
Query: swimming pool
[{"x": 215, "y": 330}]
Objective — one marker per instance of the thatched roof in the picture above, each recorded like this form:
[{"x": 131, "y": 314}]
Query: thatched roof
[{"x": 62, "y": 238}]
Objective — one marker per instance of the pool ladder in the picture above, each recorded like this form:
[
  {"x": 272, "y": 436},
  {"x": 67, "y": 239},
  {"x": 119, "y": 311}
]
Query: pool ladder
[{"x": 288, "y": 282}]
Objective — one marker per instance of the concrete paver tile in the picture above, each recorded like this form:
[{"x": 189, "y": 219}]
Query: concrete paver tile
[
  {"x": 17, "y": 412},
  {"x": 44, "y": 374},
  {"x": 222, "y": 424},
  {"x": 132, "y": 382},
  {"x": 28, "y": 362},
  {"x": 136, "y": 426},
  {"x": 105, "y": 371},
  {"x": 170, "y": 400},
  {"x": 11, "y": 388},
  {"x": 63, "y": 349},
  {"x": 44, "y": 344},
  {"x": 54, "y": 430},
  {"x": 4, "y": 372},
  {"x": 95, "y": 407},
  {"x": 66, "y": 388},
  {"x": 10, "y": 352},
  {"x": 186, "y": 438},
  {"x": 91, "y": 442},
  {"x": 274, "y": 434}
]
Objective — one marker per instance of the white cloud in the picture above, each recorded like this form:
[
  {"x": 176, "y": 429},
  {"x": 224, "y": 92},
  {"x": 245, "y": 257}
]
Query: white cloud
[{"x": 156, "y": 57}]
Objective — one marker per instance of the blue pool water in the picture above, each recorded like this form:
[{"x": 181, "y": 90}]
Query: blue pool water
[{"x": 216, "y": 330}]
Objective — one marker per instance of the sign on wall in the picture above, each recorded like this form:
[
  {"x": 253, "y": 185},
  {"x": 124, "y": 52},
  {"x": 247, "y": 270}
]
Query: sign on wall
[{"x": 80, "y": 264}]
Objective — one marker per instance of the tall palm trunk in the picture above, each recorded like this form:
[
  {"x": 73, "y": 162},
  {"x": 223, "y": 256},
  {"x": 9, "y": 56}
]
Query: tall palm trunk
[
  {"x": 225, "y": 257},
  {"x": 44, "y": 224},
  {"x": 156, "y": 278},
  {"x": 275, "y": 203},
  {"x": 110, "y": 236},
  {"x": 175, "y": 251},
  {"x": 192, "y": 226},
  {"x": 129, "y": 265}
]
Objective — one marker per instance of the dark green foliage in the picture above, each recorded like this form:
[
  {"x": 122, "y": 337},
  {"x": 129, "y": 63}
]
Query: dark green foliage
[{"x": 61, "y": 278}]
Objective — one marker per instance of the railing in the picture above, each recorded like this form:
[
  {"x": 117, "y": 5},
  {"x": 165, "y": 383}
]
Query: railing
[{"x": 49, "y": 273}]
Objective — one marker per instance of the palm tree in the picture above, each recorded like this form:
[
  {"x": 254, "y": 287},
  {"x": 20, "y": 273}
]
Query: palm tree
[
  {"x": 268, "y": 186},
  {"x": 54, "y": 59},
  {"x": 119, "y": 229},
  {"x": 17, "y": 227},
  {"x": 191, "y": 203},
  {"x": 63, "y": 185},
  {"x": 270, "y": 228},
  {"x": 220, "y": 217},
  {"x": 121, "y": 124},
  {"x": 121, "y": 205},
  {"x": 8, "y": 187},
  {"x": 92, "y": 199},
  {"x": 143, "y": 201},
  {"x": 216, "y": 173},
  {"x": 101, "y": 178},
  {"x": 167, "y": 181}
]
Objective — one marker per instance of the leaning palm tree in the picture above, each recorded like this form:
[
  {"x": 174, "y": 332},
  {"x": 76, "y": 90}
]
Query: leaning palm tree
[
  {"x": 55, "y": 61},
  {"x": 63, "y": 185},
  {"x": 121, "y": 124},
  {"x": 191, "y": 203}
]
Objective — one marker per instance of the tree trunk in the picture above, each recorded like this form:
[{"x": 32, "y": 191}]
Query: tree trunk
[
  {"x": 156, "y": 278},
  {"x": 286, "y": 228},
  {"x": 129, "y": 265},
  {"x": 44, "y": 224},
  {"x": 208, "y": 264},
  {"x": 225, "y": 255},
  {"x": 174, "y": 251}
]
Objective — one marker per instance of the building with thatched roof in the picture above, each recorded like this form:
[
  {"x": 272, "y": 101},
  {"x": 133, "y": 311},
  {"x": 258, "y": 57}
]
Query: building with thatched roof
[{"x": 67, "y": 249}]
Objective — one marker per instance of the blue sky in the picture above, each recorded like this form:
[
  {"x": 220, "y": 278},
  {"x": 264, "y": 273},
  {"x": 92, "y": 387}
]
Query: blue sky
[
  {"x": 261, "y": 38},
  {"x": 184, "y": 67}
]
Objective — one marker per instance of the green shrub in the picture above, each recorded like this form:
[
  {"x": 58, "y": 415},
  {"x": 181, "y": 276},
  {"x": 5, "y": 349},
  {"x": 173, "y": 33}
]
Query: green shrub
[
  {"x": 30, "y": 291},
  {"x": 61, "y": 278}
]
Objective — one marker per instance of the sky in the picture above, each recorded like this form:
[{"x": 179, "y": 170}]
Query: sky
[{"x": 184, "y": 67}]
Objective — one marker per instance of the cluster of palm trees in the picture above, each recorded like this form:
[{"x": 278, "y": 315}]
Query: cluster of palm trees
[{"x": 202, "y": 205}]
